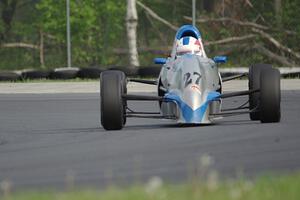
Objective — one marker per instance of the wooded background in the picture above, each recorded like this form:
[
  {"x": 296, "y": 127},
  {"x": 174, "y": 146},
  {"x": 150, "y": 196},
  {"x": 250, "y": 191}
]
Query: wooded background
[{"x": 33, "y": 32}]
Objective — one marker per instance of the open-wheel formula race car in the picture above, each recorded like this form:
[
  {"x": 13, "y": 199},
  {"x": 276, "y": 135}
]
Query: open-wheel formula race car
[{"x": 190, "y": 88}]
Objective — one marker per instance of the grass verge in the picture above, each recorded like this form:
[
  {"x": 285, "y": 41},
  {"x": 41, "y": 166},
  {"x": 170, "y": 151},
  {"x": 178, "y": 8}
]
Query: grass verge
[{"x": 262, "y": 188}]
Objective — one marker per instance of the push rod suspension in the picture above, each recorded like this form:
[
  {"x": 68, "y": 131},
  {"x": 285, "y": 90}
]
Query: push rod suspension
[
  {"x": 141, "y": 97},
  {"x": 240, "y": 93}
]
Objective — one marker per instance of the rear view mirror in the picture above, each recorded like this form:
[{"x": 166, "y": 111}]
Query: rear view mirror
[
  {"x": 160, "y": 61},
  {"x": 220, "y": 59}
]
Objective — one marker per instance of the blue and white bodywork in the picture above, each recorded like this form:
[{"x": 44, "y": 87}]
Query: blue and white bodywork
[{"x": 190, "y": 83}]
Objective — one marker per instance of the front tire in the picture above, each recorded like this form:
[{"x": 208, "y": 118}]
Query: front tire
[
  {"x": 254, "y": 83},
  {"x": 112, "y": 107},
  {"x": 270, "y": 96}
]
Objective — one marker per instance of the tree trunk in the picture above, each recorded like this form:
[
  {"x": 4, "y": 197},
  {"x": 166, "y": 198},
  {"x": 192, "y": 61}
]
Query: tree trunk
[
  {"x": 208, "y": 5},
  {"x": 277, "y": 8},
  {"x": 7, "y": 13},
  {"x": 42, "y": 59},
  {"x": 131, "y": 25}
]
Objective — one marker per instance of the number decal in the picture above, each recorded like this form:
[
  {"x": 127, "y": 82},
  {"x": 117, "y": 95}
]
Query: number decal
[
  {"x": 198, "y": 79},
  {"x": 189, "y": 80}
]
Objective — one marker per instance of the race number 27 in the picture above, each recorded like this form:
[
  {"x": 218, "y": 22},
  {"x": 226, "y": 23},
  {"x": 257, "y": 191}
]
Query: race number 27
[{"x": 189, "y": 78}]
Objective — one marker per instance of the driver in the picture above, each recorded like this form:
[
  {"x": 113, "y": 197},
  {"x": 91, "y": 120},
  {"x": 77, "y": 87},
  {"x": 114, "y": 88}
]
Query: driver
[{"x": 189, "y": 45}]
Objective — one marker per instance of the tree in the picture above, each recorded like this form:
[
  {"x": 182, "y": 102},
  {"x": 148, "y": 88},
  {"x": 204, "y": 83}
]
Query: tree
[
  {"x": 131, "y": 25},
  {"x": 96, "y": 26},
  {"x": 277, "y": 7},
  {"x": 7, "y": 14},
  {"x": 99, "y": 30}
]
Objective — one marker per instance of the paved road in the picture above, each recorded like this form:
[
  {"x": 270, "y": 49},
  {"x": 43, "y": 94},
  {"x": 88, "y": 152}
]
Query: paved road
[{"x": 46, "y": 137}]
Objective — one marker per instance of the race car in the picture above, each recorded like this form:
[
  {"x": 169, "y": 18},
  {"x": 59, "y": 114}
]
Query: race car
[{"x": 189, "y": 88}]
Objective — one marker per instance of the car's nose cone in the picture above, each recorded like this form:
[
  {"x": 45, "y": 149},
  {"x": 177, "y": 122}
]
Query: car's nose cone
[{"x": 192, "y": 96}]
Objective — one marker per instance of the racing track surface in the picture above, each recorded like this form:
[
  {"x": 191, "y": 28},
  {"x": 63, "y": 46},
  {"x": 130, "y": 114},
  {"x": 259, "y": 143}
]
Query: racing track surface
[{"x": 44, "y": 137}]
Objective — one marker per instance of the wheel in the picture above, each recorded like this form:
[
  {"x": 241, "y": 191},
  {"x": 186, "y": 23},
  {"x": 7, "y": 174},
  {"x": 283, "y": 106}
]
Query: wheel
[
  {"x": 112, "y": 106},
  {"x": 254, "y": 83},
  {"x": 124, "y": 84},
  {"x": 64, "y": 74},
  {"x": 89, "y": 72},
  {"x": 270, "y": 96},
  {"x": 35, "y": 74},
  {"x": 9, "y": 76}
]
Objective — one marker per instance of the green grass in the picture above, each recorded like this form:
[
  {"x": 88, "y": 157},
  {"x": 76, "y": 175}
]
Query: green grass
[{"x": 284, "y": 187}]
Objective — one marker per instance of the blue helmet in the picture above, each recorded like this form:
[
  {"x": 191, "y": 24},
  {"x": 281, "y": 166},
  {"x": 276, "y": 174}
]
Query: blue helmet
[{"x": 188, "y": 30}]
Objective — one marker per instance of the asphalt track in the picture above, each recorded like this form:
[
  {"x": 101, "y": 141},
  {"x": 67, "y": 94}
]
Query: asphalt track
[{"x": 48, "y": 138}]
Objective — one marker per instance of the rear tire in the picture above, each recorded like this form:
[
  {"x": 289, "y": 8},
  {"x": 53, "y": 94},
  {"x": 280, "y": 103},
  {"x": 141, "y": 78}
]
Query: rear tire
[
  {"x": 112, "y": 106},
  {"x": 254, "y": 83},
  {"x": 270, "y": 96}
]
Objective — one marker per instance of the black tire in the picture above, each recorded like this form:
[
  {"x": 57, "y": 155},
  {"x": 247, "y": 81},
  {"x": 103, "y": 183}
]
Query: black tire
[
  {"x": 124, "y": 84},
  {"x": 64, "y": 74},
  {"x": 149, "y": 71},
  {"x": 89, "y": 73},
  {"x": 112, "y": 106},
  {"x": 35, "y": 74},
  {"x": 270, "y": 96},
  {"x": 129, "y": 71},
  {"x": 254, "y": 83},
  {"x": 9, "y": 76}
]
